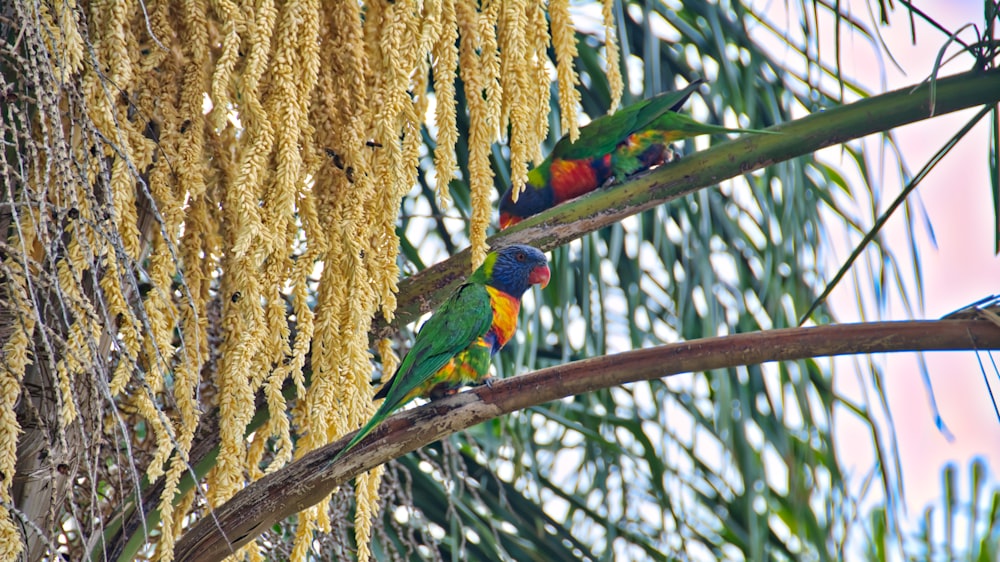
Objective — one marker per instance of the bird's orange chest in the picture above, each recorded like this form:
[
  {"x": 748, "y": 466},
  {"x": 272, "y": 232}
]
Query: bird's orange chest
[
  {"x": 505, "y": 309},
  {"x": 573, "y": 178}
]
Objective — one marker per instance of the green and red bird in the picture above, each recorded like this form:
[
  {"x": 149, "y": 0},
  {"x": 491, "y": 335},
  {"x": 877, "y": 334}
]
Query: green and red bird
[
  {"x": 612, "y": 146},
  {"x": 453, "y": 348}
]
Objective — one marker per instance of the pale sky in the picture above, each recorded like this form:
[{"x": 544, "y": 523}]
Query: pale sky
[{"x": 961, "y": 269}]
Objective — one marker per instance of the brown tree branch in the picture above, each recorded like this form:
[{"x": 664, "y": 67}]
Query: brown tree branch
[{"x": 310, "y": 479}]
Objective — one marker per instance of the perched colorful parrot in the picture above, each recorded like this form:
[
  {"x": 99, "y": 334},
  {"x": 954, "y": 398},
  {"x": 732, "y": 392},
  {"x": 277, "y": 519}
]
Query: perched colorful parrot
[
  {"x": 453, "y": 348},
  {"x": 612, "y": 146}
]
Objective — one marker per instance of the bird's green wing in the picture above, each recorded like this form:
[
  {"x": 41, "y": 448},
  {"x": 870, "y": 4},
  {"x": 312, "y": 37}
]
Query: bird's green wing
[
  {"x": 462, "y": 319},
  {"x": 603, "y": 134}
]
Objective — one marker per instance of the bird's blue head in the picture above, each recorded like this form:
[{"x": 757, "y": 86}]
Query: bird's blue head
[{"x": 515, "y": 268}]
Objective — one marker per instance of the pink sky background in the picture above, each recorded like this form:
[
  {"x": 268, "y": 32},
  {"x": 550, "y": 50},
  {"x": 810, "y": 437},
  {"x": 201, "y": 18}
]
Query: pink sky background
[{"x": 960, "y": 270}]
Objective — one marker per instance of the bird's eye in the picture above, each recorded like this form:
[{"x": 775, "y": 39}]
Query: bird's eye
[{"x": 520, "y": 256}]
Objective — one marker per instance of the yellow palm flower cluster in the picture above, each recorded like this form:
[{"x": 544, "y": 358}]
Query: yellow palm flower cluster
[{"x": 227, "y": 178}]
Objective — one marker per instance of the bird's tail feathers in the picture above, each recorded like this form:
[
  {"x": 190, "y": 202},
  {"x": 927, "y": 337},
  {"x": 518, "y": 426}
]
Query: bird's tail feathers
[
  {"x": 361, "y": 434},
  {"x": 680, "y": 126}
]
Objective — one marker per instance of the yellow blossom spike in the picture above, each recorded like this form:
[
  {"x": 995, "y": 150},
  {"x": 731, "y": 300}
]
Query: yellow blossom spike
[
  {"x": 213, "y": 195},
  {"x": 614, "y": 71}
]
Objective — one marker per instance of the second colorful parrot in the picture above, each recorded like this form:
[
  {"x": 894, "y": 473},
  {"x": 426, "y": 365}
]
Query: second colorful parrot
[{"x": 612, "y": 146}]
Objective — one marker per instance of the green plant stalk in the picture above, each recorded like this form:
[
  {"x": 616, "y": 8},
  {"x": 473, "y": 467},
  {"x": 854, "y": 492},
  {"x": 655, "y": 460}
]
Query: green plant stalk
[{"x": 424, "y": 291}]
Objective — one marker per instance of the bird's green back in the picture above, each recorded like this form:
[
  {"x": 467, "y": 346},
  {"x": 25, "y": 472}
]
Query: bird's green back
[
  {"x": 603, "y": 134},
  {"x": 461, "y": 320}
]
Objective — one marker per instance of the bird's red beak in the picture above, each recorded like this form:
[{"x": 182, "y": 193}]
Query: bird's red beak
[
  {"x": 540, "y": 276},
  {"x": 507, "y": 220}
]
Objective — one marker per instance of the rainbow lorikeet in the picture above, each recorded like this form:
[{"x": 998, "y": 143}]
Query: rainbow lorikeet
[
  {"x": 453, "y": 348},
  {"x": 612, "y": 146}
]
